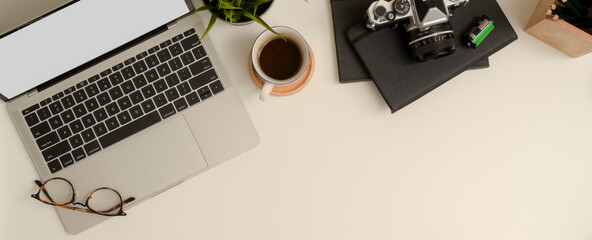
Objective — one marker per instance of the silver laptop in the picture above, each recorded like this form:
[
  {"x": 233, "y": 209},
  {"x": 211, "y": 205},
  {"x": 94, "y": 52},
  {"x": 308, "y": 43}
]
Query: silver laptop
[{"x": 119, "y": 94}]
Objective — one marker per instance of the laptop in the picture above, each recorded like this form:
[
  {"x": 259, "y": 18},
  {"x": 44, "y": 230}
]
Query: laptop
[{"x": 119, "y": 94}]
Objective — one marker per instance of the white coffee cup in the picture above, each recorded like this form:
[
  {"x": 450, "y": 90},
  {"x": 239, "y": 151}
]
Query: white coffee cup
[{"x": 264, "y": 38}]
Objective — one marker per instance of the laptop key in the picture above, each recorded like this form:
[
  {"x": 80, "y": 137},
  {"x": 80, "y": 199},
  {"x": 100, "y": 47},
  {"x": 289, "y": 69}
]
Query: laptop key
[
  {"x": 203, "y": 79},
  {"x": 94, "y": 78},
  {"x": 81, "y": 84},
  {"x": 148, "y": 106},
  {"x": 184, "y": 74},
  {"x": 67, "y": 160},
  {"x": 189, "y": 32},
  {"x": 43, "y": 113},
  {"x": 56, "y": 151},
  {"x": 124, "y": 103},
  {"x": 129, "y": 129},
  {"x": 100, "y": 129},
  {"x": 204, "y": 93},
  {"x": 124, "y": 117},
  {"x": 140, "y": 67},
  {"x": 151, "y": 75},
  {"x": 67, "y": 116},
  {"x": 200, "y": 66},
  {"x": 199, "y": 52},
  {"x": 166, "y": 44},
  {"x": 172, "y": 94},
  {"x": 55, "y": 107},
  {"x": 163, "y": 69},
  {"x": 160, "y": 85},
  {"x": 187, "y": 58},
  {"x": 136, "y": 112},
  {"x": 100, "y": 115},
  {"x": 57, "y": 96},
  {"x": 140, "y": 81},
  {"x": 104, "y": 84},
  {"x": 142, "y": 55},
  {"x": 88, "y": 120},
  {"x": 88, "y": 135},
  {"x": 190, "y": 42},
  {"x": 91, "y": 104},
  {"x": 175, "y": 49},
  {"x": 152, "y": 61},
  {"x": 112, "y": 109},
  {"x": 68, "y": 101},
  {"x": 105, "y": 73},
  {"x": 31, "y": 109},
  {"x": 163, "y": 55},
  {"x": 177, "y": 38},
  {"x": 172, "y": 80},
  {"x": 216, "y": 87},
  {"x": 76, "y": 141},
  {"x": 183, "y": 88},
  {"x": 45, "y": 102},
  {"x": 116, "y": 78},
  {"x": 79, "y": 110},
  {"x": 55, "y": 122},
  {"x": 76, "y": 126},
  {"x": 31, "y": 119},
  {"x": 115, "y": 92},
  {"x": 103, "y": 98},
  {"x": 79, "y": 96},
  {"x": 64, "y": 132},
  {"x": 129, "y": 61},
  {"x": 175, "y": 64},
  {"x": 153, "y": 49},
  {"x": 127, "y": 87},
  {"x": 54, "y": 166},
  {"x": 159, "y": 100},
  {"x": 167, "y": 111},
  {"x": 192, "y": 98},
  {"x": 117, "y": 67},
  {"x": 40, "y": 130},
  {"x": 78, "y": 154},
  {"x": 112, "y": 123},
  {"x": 47, "y": 140},
  {"x": 92, "y": 90},
  {"x": 148, "y": 91},
  {"x": 136, "y": 97},
  {"x": 128, "y": 72},
  {"x": 92, "y": 148},
  {"x": 180, "y": 104}
]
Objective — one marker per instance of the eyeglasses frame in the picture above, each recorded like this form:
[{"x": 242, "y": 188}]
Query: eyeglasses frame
[{"x": 85, "y": 207}]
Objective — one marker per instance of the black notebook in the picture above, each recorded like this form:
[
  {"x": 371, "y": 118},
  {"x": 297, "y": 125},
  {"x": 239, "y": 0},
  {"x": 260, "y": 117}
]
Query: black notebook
[
  {"x": 347, "y": 13},
  {"x": 400, "y": 79}
]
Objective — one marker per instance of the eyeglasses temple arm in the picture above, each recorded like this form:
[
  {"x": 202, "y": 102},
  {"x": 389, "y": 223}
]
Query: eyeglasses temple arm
[{"x": 40, "y": 184}]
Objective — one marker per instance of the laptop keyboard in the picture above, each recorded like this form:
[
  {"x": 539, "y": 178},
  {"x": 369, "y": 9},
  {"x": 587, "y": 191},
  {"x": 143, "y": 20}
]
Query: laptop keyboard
[{"x": 125, "y": 99}]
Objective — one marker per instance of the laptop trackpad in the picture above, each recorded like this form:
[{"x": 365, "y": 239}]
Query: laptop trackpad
[{"x": 154, "y": 160}]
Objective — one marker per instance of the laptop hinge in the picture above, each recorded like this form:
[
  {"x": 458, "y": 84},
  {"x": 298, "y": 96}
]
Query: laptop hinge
[
  {"x": 172, "y": 25},
  {"x": 32, "y": 92}
]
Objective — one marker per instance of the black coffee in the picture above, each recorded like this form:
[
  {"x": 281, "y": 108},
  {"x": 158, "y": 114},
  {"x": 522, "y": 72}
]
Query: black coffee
[{"x": 280, "y": 59}]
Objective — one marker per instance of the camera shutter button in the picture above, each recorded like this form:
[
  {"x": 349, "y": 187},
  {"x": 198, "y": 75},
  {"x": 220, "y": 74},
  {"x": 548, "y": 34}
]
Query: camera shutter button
[
  {"x": 390, "y": 16},
  {"x": 380, "y": 11}
]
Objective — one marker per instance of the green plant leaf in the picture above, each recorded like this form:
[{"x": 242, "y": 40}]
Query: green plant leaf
[
  {"x": 210, "y": 25},
  {"x": 263, "y": 23},
  {"x": 225, "y": 5}
]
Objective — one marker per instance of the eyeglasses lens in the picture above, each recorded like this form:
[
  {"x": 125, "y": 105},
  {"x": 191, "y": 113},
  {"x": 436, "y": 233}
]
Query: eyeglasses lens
[
  {"x": 57, "y": 191},
  {"x": 105, "y": 201}
]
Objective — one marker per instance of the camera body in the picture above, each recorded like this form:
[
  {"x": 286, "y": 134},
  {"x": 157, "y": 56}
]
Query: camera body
[{"x": 429, "y": 31}]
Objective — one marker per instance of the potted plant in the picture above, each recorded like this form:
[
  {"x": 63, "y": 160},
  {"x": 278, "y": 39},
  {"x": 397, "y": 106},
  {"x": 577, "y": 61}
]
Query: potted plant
[{"x": 236, "y": 11}]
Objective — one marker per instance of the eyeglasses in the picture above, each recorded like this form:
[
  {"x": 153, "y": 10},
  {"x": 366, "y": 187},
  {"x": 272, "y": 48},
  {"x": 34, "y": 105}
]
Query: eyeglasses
[{"x": 60, "y": 192}]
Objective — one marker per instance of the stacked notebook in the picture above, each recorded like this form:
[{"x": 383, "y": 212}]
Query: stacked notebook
[{"x": 384, "y": 57}]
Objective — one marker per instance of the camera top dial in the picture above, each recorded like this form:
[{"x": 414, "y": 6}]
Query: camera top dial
[{"x": 402, "y": 6}]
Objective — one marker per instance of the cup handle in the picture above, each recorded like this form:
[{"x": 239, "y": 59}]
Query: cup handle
[{"x": 266, "y": 90}]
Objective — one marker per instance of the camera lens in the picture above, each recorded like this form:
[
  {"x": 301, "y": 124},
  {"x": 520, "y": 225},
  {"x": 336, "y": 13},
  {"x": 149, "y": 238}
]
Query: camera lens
[{"x": 436, "y": 41}]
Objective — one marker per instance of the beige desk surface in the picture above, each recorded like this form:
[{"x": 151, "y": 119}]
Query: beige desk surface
[{"x": 499, "y": 153}]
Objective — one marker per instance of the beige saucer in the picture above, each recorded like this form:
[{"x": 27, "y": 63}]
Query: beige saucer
[{"x": 293, "y": 87}]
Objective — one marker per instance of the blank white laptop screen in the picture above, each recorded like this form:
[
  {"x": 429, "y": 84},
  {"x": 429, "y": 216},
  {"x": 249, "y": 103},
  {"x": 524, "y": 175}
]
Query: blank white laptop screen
[{"x": 75, "y": 35}]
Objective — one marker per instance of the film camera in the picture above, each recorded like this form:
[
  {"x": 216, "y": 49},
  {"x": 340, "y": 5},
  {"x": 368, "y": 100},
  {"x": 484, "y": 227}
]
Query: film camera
[{"x": 429, "y": 31}]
